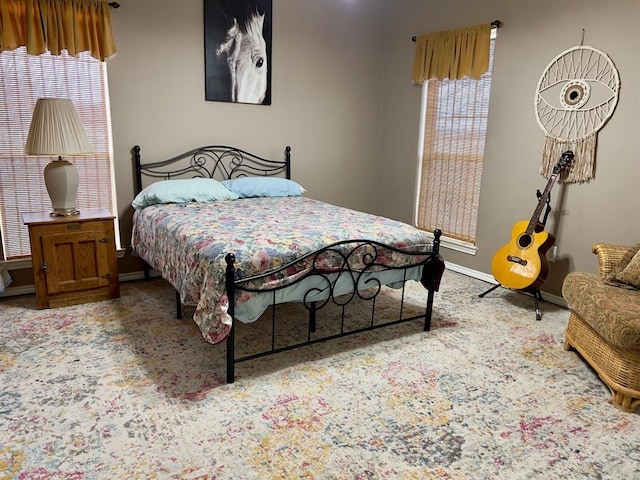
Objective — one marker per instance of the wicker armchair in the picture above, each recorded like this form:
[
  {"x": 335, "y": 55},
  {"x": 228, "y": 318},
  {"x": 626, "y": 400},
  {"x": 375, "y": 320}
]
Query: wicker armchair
[{"x": 604, "y": 326}]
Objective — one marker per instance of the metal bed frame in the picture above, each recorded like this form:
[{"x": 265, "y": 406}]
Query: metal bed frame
[{"x": 219, "y": 161}]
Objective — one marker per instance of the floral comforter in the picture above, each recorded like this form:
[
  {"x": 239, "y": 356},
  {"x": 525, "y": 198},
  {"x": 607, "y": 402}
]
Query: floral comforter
[{"x": 187, "y": 244}]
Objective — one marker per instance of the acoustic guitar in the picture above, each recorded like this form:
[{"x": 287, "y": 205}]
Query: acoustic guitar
[{"x": 522, "y": 264}]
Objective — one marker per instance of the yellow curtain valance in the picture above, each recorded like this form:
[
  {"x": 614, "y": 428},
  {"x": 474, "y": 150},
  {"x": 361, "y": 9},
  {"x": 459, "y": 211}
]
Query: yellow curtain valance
[
  {"x": 452, "y": 54},
  {"x": 56, "y": 25}
]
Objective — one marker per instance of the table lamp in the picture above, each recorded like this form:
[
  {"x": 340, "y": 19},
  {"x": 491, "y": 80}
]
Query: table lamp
[{"x": 56, "y": 130}]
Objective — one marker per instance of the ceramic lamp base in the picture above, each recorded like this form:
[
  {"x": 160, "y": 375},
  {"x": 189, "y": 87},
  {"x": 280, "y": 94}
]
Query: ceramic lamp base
[{"x": 61, "y": 179}]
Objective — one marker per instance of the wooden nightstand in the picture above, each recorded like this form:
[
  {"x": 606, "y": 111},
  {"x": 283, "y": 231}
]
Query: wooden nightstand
[{"x": 74, "y": 258}]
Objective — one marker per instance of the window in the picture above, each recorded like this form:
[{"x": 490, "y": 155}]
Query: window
[
  {"x": 23, "y": 79},
  {"x": 451, "y": 152}
]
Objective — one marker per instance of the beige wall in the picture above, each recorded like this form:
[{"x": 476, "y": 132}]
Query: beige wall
[
  {"x": 606, "y": 209},
  {"x": 342, "y": 98},
  {"x": 326, "y": 90}
]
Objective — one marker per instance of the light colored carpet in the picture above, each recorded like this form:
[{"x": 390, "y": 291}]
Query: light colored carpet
[{"x": 121, "y": 389}]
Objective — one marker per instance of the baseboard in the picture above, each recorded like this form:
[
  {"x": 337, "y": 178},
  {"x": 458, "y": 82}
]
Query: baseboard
[
  {"x": 485, "y": 277},
  {"x": 29, "y": 289},
  {"x": 131, "y": 276},
  {"x": 15, "y": 291}
]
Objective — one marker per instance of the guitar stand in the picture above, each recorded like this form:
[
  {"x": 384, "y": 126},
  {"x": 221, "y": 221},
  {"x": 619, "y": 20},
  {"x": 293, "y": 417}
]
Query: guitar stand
[{"x": 537, "y": 296}]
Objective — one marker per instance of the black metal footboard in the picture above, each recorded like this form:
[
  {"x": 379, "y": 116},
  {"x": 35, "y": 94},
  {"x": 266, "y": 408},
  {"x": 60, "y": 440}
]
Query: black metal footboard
[{"x": 327, "y": 266}]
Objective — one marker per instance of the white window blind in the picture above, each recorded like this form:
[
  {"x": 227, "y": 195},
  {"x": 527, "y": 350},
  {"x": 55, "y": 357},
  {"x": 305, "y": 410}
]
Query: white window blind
[
  {"x": 24, "y": 79},
  {"x": 455, "y": 115}
]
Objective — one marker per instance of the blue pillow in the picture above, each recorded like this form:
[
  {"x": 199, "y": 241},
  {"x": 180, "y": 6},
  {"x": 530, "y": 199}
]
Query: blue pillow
[
  {"x": 182, "y": 191},
  {"x": 263, "y": 187}
]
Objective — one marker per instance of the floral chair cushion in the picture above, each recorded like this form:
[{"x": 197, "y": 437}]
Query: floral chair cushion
[
  {"x": 631, "y": 273},
  {"x": 627, "y": 272},
  {"x": 611, "y": 311}
]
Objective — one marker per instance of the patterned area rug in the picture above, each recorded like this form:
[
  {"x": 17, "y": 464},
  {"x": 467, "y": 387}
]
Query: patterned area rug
[{"x": 121, "y": 389}]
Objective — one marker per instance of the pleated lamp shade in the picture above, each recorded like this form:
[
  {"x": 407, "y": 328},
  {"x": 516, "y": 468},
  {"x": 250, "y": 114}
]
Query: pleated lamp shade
[{"x": 56, "y": 130}]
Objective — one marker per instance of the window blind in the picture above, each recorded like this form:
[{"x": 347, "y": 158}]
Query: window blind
[
  {"x": 23, "y": 79},
  {"x": 455, "y": 127}
]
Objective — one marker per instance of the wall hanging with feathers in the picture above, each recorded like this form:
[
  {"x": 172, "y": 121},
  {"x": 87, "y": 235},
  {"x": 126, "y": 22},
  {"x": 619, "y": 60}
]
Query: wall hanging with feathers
[{"x": 575, "y": 97}]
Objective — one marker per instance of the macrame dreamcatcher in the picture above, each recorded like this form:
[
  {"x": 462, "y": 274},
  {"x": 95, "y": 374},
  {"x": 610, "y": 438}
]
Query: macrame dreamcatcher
[{"x": 576, "y": 95}]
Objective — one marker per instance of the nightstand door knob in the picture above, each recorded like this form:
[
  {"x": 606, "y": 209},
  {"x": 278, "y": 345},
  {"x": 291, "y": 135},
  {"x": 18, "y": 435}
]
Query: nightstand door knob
[
  {"x": 104, "y": 240},
  {"x": 44, "y": 266},
  {"x": 108, "y": 275}
]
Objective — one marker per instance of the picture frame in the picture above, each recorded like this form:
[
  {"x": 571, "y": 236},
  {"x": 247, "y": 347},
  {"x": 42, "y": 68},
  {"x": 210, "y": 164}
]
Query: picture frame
[{"x": 238, "y": 51}]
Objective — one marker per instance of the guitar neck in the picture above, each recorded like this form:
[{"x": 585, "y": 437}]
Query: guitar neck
[{"x": 535, "y": 218}]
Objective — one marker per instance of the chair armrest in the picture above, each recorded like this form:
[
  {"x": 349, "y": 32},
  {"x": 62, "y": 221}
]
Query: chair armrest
[{"x": 609, "y": 256}]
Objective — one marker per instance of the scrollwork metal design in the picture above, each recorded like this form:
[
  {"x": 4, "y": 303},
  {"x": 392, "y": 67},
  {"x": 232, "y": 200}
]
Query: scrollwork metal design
[
  {"x": 214, "y": 161},
  {"x": 351, "y": 261}
]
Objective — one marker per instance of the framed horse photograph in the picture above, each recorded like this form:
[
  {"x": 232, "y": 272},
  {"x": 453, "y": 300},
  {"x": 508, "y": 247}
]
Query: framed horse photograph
[{"x": 237, "y": 48}]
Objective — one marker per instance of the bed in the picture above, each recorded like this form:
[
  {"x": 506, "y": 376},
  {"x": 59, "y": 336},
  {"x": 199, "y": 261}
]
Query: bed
[{"x": 236, "y": 237}]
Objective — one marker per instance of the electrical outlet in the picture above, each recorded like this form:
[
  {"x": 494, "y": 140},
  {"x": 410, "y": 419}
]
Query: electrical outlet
[{"x": 552, "y": 253}]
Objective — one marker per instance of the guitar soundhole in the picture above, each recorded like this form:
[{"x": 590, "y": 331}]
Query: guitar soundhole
[{"x": 524, "y": 241}]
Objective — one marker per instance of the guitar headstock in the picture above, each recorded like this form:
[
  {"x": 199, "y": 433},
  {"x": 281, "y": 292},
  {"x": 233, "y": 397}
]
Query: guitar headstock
[{"x": 564, "y": 162}]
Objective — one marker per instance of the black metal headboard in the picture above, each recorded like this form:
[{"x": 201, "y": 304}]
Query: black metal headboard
[{"x": 214, "y": 161}]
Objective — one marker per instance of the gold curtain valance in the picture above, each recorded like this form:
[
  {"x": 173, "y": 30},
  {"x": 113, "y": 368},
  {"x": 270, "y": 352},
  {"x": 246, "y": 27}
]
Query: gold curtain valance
[
  {"x": 56, "y": 25},
  {"x": 452, "y": 54}
]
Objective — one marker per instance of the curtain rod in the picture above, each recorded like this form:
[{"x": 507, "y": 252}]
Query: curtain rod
[{"x": 494, "y": 24}]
